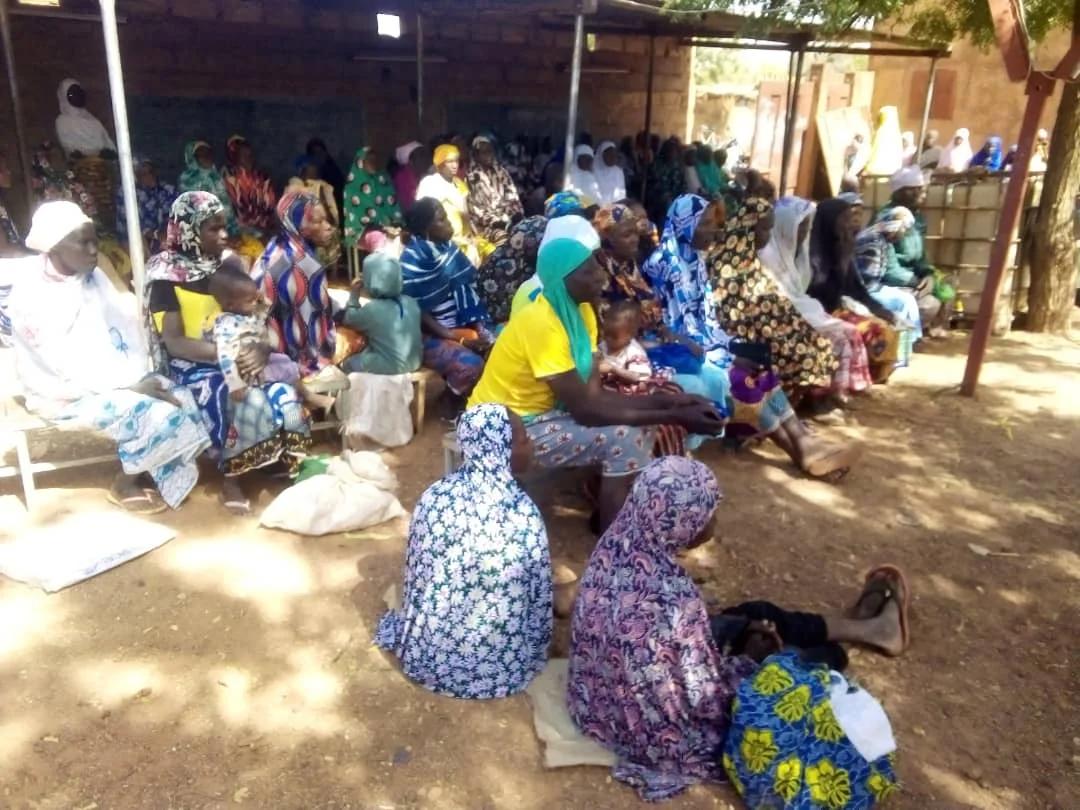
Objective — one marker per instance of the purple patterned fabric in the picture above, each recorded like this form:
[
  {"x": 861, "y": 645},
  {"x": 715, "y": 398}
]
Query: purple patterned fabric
[{"x": 646, "y": 679}]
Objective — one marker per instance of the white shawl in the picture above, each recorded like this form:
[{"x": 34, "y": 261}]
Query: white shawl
[
  {"x": 788, "y": 263},
  {"x": 583, "y": 183},
  {"x": 73, "y": 336},
  {"x": 77, "y": 129},
  {"x": 609, "y": 179}
]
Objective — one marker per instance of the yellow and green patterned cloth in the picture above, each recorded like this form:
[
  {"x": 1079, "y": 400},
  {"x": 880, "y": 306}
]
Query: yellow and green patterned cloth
[{"x": 785, "y": 748}]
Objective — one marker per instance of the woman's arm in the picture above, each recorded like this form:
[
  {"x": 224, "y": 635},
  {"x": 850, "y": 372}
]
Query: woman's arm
[
  {"x": 182, "y": 347},
  {"x": 430, "y": 326}
]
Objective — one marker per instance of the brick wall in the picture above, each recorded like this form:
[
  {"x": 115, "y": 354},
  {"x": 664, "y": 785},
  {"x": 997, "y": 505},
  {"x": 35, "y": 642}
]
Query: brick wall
[
  {"x": 268, "y": 48},
  {"x": 980, "y": 97}
]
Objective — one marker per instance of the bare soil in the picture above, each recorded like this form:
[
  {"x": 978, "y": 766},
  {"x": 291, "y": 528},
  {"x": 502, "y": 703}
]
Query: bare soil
[{"x": 234, "y": 666}]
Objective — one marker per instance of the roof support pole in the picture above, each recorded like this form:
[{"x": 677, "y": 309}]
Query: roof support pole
[
  {"x": 123, "y": 145},
  {"x": 419, "y": 74},
  {"x": 575, "y": 88},
  {"x": 1039, "y": 89},
  {"x": 16, "y": 104},
  {"x": 648, "y": 112},
  {"x": 794, "y": 79},
  {"x": 927, "y": 102}
]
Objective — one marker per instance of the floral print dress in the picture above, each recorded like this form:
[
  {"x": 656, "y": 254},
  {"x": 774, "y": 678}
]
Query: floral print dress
[
  {"x": 476, "y": 616},
  {"x": 512, "y": 263},
  {"x": 750, "y": 306},
  {"x": 646, "y": 679},
  {"x": 785, "y": 747}
]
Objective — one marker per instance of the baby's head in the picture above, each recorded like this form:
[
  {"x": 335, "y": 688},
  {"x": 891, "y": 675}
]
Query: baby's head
[
  {"x": 621, "y": 324},
  {"x": 233, "y": 289}
]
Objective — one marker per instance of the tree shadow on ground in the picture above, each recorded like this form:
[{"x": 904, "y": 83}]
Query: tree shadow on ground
[{"x": 234, "y": 666}]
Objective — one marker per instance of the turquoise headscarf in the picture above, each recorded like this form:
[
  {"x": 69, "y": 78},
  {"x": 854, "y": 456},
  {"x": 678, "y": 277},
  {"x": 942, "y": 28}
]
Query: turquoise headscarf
[{"x": 568, "y": 243}]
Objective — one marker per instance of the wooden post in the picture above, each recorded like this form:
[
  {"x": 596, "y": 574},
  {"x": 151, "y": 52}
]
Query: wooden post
[
  {"x": 648, "y": 112},
  {"x": 575, "y": 89},
  {"x": 419, "y": 74},
  {"x": 1039, "y": 89},
  {"x": 789, "y": 124},
  {"x": 16, "y": 104},
  {"x": 927, "y": 102}
]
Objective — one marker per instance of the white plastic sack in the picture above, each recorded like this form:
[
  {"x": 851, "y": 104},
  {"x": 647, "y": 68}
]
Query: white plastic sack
[
  {"x": 356, "y": 493},
  {"x": 79, "y": 546},
  {"x": 377, "y": 407},
  {"x": 862, "y": 718},
  {"x": 564, "y": 745}
]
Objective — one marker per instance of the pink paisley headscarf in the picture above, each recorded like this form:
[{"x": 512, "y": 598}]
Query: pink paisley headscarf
[{"x": 646, "y": 679}]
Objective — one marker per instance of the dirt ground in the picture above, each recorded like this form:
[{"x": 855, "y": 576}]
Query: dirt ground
[{"x": 234, "y": 667}]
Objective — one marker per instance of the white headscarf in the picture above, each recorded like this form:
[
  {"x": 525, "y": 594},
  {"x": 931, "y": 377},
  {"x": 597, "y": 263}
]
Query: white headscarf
[
  {"x": 907, "y": 177},
  {"x": 52, "y": 222},
  {"x": 610, "y": 179},
  {"x": 788, "y": 262},
  {"x": 582, "y": 182},
  {"x": 404, "y": 152},
  {"x": 77, "y": 129},
  {"x": 907, "y": 140},
  {"x": 957, "y": 156}
]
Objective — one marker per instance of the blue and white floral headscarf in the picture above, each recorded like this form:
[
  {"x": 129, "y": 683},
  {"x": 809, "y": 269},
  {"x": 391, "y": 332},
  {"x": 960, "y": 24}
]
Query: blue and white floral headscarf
[
  {"x": 475, "y": 620},
  {"x": 678, "y": 274}
]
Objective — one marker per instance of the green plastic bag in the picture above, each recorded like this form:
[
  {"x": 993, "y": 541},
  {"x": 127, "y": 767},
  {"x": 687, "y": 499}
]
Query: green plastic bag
[
  {"x": 943, "y": 290},
  {"x": 312, "y": 466}
]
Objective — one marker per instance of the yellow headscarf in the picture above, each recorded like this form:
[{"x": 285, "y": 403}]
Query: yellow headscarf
[{"x": 446, "y": 152}]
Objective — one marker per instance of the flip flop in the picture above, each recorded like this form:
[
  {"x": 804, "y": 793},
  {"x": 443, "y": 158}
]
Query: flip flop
[
  {"x": 893, "y": 585},
  {"x": 840, "y": 459},
  {"x": 147, "y": 502},
  {"x": 237, "y": 507}
]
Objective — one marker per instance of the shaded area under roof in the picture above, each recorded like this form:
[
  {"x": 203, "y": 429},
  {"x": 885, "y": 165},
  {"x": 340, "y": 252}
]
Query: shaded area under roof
[{"x": 650, "y": 18}]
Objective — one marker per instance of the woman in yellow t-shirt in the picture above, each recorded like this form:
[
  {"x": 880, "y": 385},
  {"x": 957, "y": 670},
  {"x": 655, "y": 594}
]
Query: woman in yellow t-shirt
[
  {"x": 269, "y": 424},
  {"x": 542, "y": 369}
]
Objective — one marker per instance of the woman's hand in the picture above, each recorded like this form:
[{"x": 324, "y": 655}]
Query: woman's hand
[
  {"x": 151, "y": 386},
  {"x": 252, "y": 359},
  {"x": 925, "y": 285},
  {"x": 748, "y": 365},
  {"x": 699, "y": 420}
]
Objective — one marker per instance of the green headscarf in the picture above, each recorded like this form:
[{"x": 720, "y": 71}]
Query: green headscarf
[
  {"x": 567, "y": 244},
  {"x": 196, "y": 178},
  {"x": 370, "y": 200},
  {"x": 708, "y": 171}
]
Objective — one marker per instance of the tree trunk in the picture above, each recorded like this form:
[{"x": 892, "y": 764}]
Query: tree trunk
[{"x": 1053, "y": 249}]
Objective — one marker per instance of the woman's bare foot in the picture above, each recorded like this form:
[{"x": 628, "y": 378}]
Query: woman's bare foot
[
  {"x": 233, "y": 497},
  {"x": 884, "y": 632},
  {"x": 825, "y": 461},
  {"x": 563, "y": 597}
]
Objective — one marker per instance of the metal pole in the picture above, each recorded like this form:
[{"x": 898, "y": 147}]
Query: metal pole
[
  {"x": 575, "y": 87},
  {"x": 648, "y": 113},
  {"x": 789, "y": 125},
  {"x": 929, "y": 100},
  {"x": 16, "y": 104},
  {"x": 123, "y": 145},
  {"x": 1039, "y": 89},
  {"x": 419, "y": 73}
]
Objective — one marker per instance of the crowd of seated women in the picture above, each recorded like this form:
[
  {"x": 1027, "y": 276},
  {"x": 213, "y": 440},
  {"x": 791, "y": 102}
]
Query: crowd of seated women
[{"x": 582, "y": 336}]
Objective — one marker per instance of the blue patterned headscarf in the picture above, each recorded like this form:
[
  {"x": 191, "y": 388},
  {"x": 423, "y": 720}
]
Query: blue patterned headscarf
[
  {"x": 563, "y": 204},
  {"x": 678, "y": 274},
  {"x": 990, "y": 156}
]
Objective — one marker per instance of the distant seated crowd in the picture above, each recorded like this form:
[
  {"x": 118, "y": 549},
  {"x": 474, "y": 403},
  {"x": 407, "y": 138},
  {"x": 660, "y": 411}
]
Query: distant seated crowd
[{"x": 582, "y": 335}]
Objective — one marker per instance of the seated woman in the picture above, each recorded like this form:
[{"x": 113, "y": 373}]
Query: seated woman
[
  {"x": 81, "y": 357},
  {"x": 494, "y": 204},
  {"x": 510, "y": 266},
  {"x": 475, "y": 620},
  {"x": 647, "y": 678},
  {"x": 443, "y": 282},
  {"x": 542, "y": 369},
  {"x": 444, "y": 186},
  {"x": 154, "y": 201},
  {"x": 750, "y": 307},
  {"x": 786, "y": 258},
  {"x": 390, "y": 322},
  {"x": 619, "y": 227},
  {"x": 749, "y": 394},
  {"x": 370, "y": 199},
  {"x": 200, "y": 174},
  {"x": 875, "y": 256},
  {"x": 307, "y": 180},
  {"x": 250, "y": 190},
  {"x": 293, "y": 281},
  {"x": 268, "y": 424},
  {"x": 836, "y": 284}
]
